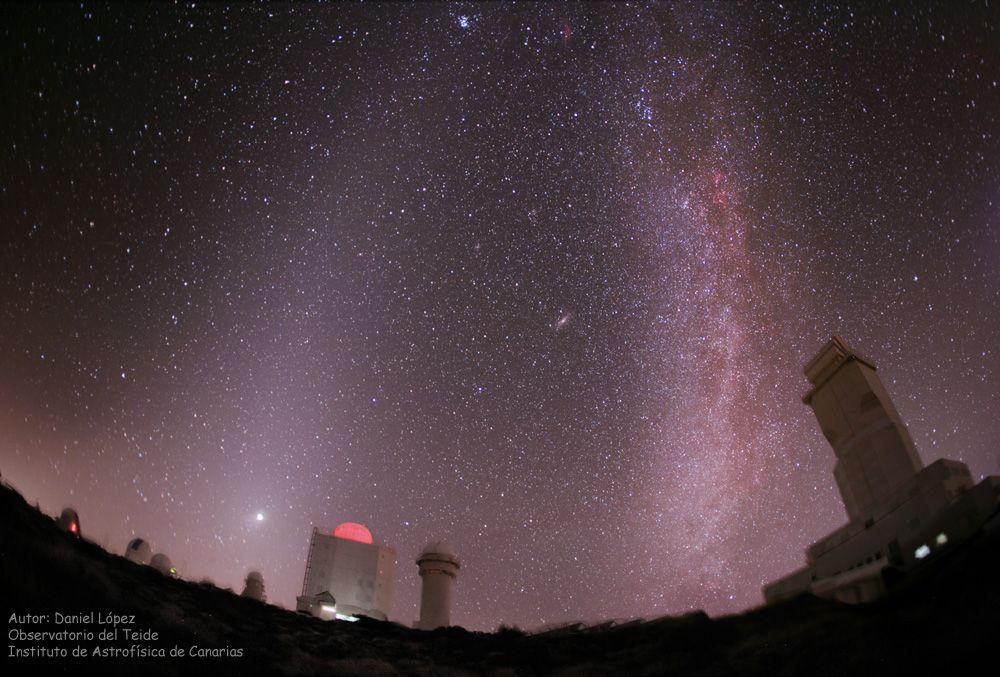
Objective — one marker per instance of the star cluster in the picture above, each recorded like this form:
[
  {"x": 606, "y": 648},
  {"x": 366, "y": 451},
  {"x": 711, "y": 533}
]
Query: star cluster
[{"x": 538, "y": 279}]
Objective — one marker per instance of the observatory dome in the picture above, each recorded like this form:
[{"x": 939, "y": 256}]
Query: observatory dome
[
  {"x": 162, "y": 563},
  {"x": 254, "y": 587},
  {"x": 69, "y": 521},
  {"x": 352, "y": 531},
  {"x": 438, "y": 548},
  {"x": 138, "y": 551}
]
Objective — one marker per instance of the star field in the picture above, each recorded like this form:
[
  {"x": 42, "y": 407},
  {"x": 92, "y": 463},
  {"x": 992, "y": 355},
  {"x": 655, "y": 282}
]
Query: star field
[{"x": 538, "y": 279}]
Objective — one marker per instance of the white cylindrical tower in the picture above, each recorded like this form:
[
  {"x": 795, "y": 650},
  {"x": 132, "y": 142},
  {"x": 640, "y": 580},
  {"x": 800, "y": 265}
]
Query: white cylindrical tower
[{"x": 439, "y": 568}]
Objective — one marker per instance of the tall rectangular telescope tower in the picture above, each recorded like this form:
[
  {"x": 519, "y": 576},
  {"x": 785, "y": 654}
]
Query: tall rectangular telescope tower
[
  {"x": 348, "y": 575},
  {"x": 875, "y": 454},
  {"x": 900, "y": 512}
]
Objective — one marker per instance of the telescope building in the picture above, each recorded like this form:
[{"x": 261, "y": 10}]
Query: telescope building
[
  {"x": 900, "y": 511},
  {"x": 347, "y": 575}
]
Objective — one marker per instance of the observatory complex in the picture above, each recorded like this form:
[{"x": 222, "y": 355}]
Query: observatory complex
[
  {"x": 438, "y": 569},
  {"x": 347, "y": 575},
  {"x": 900, "y": 512}
]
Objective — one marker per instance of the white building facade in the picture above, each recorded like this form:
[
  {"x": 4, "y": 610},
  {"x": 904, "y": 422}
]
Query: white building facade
[{"x": 351, "y": 568}]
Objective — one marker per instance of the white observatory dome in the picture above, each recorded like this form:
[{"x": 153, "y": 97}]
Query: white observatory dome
[
  {"x": 438, "y": 548},
  {"x": 138, "y": 551},
  {"x": 162, "y": 563}
]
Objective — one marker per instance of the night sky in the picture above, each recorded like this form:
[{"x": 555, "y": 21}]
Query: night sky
[{"x": 536, "y": 279}]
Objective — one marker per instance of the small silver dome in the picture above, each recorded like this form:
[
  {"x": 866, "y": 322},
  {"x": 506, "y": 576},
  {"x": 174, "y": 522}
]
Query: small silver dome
[
  {"x": 162, "y": 563},
  {"x": 438, "y": 548},
  {"x": 138, "y": 551}
]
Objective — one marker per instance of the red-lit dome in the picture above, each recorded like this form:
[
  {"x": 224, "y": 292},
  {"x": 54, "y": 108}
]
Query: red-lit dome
[{"x": 352, "y": 531}]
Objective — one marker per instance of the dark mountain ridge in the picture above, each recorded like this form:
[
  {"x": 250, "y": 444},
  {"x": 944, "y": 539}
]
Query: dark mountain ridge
[{"x": 942, "y": 618}]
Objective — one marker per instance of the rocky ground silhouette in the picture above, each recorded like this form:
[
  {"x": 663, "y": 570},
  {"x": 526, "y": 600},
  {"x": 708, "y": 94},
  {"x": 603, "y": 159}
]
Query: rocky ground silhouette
[{"x": 942, "y": 618}]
